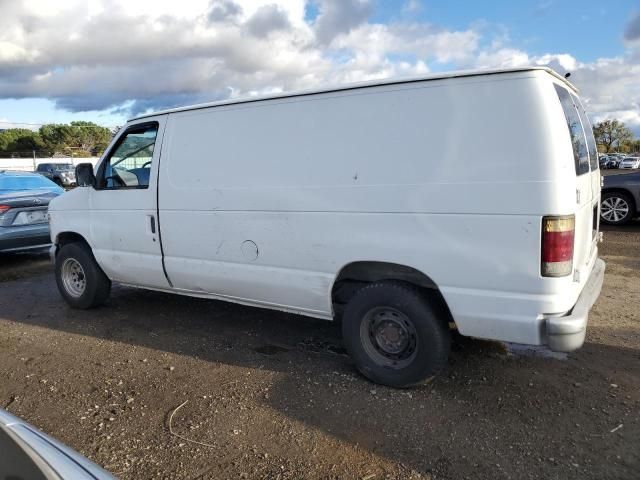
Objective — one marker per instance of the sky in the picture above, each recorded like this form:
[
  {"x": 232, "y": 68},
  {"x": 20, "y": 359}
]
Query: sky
[{"x": 109, "y": 60}]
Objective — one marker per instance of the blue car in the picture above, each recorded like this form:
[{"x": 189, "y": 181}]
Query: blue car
[{"x": 24, "y": 199}]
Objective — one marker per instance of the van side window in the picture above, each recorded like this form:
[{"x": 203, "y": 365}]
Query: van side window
[
  {"x": 129, "y": 162},
  {"x": 588, "y": 133},
  {"x": 578, "y": 141}
]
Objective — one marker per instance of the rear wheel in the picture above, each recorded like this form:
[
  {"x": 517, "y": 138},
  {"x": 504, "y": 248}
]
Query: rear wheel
[
  {"x": 394, "y": 335},
  {"x": 81, "y": 281},
  {"x": 616, "y": 208}
]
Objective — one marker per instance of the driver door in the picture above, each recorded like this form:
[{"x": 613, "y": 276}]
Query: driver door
[{"x": 124, "y": 223}]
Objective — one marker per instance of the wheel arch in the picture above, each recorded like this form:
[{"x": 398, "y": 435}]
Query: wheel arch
[
  {"x": 354, "y": 275},
  {"x": 64, "y": 238}
]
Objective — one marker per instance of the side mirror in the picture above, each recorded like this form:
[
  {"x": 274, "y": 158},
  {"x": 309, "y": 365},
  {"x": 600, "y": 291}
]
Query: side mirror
[{"x": 85, "y": 176}]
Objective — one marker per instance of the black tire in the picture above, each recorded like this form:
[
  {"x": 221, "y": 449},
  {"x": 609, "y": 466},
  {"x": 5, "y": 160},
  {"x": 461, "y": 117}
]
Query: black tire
[
  {"x": 96, "y": 284},
  {"x": 613, "y": 206},
  {"x": 425, "y": 343}
]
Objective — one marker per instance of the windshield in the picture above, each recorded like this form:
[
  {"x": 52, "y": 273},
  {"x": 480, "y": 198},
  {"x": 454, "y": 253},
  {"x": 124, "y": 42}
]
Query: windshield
[
  {"x": 63, "y": 166},
  {"x": 15, "y": 183}
]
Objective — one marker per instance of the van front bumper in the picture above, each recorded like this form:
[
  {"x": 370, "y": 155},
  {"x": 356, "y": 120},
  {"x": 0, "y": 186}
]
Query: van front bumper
[{"x": 567, "y": 333}]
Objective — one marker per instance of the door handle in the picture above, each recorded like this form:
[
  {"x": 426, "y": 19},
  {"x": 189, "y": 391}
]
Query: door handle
[{"x": 152, "y": 223}]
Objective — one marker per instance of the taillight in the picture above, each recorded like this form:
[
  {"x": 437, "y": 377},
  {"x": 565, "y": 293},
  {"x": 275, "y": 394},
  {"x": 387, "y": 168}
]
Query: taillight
[
  {"x": 4, "y": 208},
  {"x": 557, "y": 245}
]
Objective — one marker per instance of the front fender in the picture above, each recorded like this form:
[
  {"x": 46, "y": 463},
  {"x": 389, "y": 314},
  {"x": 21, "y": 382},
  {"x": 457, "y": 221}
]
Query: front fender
[{"x": 71, "y": 213}]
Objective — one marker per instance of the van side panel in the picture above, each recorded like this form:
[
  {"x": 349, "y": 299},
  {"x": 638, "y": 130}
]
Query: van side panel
[{"x": 265, "y": 202}]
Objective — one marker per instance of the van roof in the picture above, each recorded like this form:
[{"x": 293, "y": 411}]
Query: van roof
[{"x": 354, "y": 86}]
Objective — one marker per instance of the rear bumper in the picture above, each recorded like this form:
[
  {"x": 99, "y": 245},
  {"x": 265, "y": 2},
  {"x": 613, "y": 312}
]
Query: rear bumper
[
  {"x": 24, "y": 237},
  {"x": 567, "y": 333}
]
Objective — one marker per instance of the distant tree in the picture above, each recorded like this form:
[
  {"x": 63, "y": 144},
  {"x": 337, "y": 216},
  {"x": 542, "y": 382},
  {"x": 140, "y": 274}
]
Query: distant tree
[
  {"x": 19, "y": 141},
  {"x": 86, "y": 137},
  {"x": 89, "y": 137},
  {"x": 612, "y": 133},
  {"x": 55, "y": 138}
]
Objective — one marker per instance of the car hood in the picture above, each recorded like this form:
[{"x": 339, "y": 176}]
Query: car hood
[{"x": 51, "y": 457}]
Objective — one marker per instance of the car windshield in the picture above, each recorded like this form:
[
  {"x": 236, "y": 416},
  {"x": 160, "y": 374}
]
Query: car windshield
[
  {"x": 11, "y": 183},
  {"x": 63, "y": 166}
]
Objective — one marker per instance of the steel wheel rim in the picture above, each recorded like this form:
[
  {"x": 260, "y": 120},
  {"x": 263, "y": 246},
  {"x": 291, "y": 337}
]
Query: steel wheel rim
[
  {"x": 389, "y": 337},
  {"x": 614, "y": 209},
  {"x": 73, "y": 277}
]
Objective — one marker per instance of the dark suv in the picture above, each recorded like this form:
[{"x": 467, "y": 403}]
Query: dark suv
[{"x": 63, "y": 174}]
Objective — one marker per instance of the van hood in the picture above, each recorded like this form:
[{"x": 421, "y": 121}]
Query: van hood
[{"x": 76, "y": 199}]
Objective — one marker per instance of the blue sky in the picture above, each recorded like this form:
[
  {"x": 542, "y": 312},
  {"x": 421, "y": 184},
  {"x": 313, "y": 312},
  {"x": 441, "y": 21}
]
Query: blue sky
[
  {"x": 586, "y": 29},
  {"x": 95, "y": 62}
]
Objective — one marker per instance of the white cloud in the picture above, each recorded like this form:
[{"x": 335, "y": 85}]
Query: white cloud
[
  {"x": 412, "y": 7},
  {"x": 502, "y": 58},
  {"x": 147, "y": 54},
  {"x": 139, "y": 55},
  {"x": 632, "y": 30},
  {"x": 609, "y": 87},
  {"x": 340, "y": 16}
]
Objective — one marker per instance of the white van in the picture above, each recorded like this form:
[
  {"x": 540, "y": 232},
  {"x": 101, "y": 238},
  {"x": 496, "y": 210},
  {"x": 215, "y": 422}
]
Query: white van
[{"x": 402, "y": 207}]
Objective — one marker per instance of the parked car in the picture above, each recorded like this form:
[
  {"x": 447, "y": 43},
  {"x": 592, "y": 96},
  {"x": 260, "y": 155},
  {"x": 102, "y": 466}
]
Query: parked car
[
  {"x": 630, "y": 162},
  {"x": 620, "y": 198},
  {"x": 613, "y": 162},
  {"x": 24, "y": 198},
  {"x": 603, "y": 160},
  {"x": 26, "y": 452},
  {"x": 63, "y": 174},
  {"x": 350, "y": 202}
]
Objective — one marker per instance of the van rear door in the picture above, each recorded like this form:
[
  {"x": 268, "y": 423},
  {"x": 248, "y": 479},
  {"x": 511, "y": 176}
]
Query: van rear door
[{"x": 587, "y": 180}]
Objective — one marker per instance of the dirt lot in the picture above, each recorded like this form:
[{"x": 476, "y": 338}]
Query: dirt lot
[{"x": 271, "y": 395}]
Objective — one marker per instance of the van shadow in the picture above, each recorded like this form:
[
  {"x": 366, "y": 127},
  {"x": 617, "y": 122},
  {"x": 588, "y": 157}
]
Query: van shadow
[
  {"x": 19, "y": 265},
  {"x": 633, "y": 226},
  {"x": 489, "y": 414}
]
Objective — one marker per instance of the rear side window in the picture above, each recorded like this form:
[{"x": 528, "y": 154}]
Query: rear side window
[
  {"x": 578, "y": 140},
  {"x": 588, "y": 133}
]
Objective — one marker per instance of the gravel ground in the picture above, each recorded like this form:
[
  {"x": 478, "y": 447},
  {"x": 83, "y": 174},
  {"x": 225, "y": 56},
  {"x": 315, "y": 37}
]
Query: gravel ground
[{"x": 271, "y": 395}]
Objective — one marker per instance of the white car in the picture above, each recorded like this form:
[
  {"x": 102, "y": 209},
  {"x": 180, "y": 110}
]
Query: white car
[
  {"x": 630, "y": 162},
  {"x": 350, "y": 202}
]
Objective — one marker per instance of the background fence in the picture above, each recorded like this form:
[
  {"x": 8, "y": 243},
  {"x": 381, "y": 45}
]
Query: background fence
[{"x": 30, "y": 164}]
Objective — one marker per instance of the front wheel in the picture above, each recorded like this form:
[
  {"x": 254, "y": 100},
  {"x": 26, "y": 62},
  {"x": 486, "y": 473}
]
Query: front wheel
[
  {"x": 81, "y": 281},
  {"x": 394, "y": 334}
]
